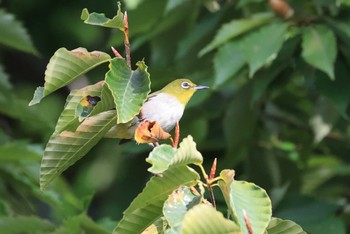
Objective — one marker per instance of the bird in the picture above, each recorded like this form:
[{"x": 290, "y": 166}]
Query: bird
[{"x": 165, "y": 107}]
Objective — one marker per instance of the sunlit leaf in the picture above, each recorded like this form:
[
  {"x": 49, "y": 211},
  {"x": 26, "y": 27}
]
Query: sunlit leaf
[
  {"x": 23, "y": 224},
  {"x": 65, "y": 66},
  {"x": 164, "y": 157},
  {"x": 157, "y": 227},
  {"x": 177, "y": 205},
  {"x": 65, "y": 148},
  {"x": 187, "y": 153},
  {"x": 100, "y": 19},
  {"x": 13, "y": 34},
  {"x": 147, "y": 206},
  {"x": 235, "y": 28},
  {"x": 160, "y": 158},
  {"x": 204, "y": 219},
  {"x": 227, "y": 62},
  {"x": 129, "y": 88},
  {"x": 320, "y": 48},
  {"x": 280, "y": 226},
  {"x": 246, "y": 199},
  {"x": 263, "y": 45}
]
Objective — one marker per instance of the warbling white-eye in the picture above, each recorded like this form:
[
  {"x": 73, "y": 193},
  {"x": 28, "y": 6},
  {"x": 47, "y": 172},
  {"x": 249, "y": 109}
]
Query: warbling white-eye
[{"x": 165, "y": 107}]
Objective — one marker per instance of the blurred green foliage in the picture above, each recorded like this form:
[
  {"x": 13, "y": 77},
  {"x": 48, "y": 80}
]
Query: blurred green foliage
[{"x": 277, "y": 112}]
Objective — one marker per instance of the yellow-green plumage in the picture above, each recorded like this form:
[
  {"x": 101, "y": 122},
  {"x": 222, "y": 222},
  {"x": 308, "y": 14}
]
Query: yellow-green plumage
[{"x": 165, "y": 106}]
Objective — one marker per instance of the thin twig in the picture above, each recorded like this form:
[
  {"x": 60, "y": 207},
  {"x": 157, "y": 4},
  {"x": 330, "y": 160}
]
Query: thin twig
[
  {"x": 176, "y": 135},
  {"x": 126, "y": 39},
  {"x": 208, "y": 183},
  {"x": 116, "y": 53}
]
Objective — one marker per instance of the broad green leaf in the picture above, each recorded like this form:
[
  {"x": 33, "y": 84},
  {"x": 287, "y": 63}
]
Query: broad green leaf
[
  {"x": 164, "y": 156},
  {"x": 246, "y": 199},
  {"x": 235, "y": 28},
  {"x": 25, "y": 224},
  {"x": 280, "y": 226},
  {"x": 239, "y": 124},
  {"x": 158, "y": 227},
  {"x": 177, "y": 205},
  {"x": 187, "y": 153},
  {"x": 160, "y": 158},
  {"x": 13, "y": 34},
  {"x": 262, "y": 46},
  {"x": 263, "y": 79},
  {"x": 204, "y": 219},
  {"x": 227, "y": 62},
  {"x": 129, "y": 88},
  {"x": 65, "y": 66},
  {"x": 336, "y": 90},
  {"x": 101, "y": 20},
  {"x": 320, "y": 48},
  {"x": 65, "y": 148},
  {"x": 146, "y": 208}
]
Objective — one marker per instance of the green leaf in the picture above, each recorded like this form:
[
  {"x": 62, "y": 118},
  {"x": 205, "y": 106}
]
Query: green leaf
[
  {"x": 235, "y": 28},
  {"x": 164, "y": 156},
  {"x": 68, "y": 119},
  {"x": 320, "y": 48},
  {"x": 101, "y": 20},
  {"x": 80, "y": 224},
  {"x": 66, "y": 66},
  {"x": 157, "y": 227},
  {"x": 15, "y": 151},
  {"x": 204, "y": 219},
  {"x": 263, "y": 45},
  {"x": 64, "y": 149},
  {"x": 13, "y": 34},
  {"x": 248, "y": 199},
  {"x": 147, "y": 206},
  {"x": 160, "y": 158},
  {"x": 336, "y": 90},
  {"x": 239, "y": 124},
  {"x": 227, "y": 62},
  {"x": 177, "y": 205},
  {"x": 280, "y": 226},
  {"x": 129, "y": 88},
  {"x": 187, "y": 153},
  {"x": 24, "y": 224}
]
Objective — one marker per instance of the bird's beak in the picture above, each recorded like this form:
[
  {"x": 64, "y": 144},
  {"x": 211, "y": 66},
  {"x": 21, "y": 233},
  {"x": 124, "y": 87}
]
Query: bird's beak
[{"x": 198, "y": 87}]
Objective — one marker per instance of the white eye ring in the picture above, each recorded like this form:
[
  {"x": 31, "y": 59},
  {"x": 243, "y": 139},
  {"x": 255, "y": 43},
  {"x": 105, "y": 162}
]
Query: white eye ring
[{"x": 185, "y": 85}]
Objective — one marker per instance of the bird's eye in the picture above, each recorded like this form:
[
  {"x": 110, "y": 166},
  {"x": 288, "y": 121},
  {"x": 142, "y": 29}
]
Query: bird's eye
[{"x": 185, "y": 85}]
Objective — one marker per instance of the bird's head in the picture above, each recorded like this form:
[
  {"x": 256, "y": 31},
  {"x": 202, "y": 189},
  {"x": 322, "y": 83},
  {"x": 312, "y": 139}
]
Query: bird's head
[{"x": 183, "y": 89}]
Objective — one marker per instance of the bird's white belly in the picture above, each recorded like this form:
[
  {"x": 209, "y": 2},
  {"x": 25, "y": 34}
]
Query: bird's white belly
[{"x": 163, "y": 108}]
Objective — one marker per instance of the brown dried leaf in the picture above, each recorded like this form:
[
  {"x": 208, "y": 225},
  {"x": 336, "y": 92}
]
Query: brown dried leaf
[{"x": 150, "y": 132}]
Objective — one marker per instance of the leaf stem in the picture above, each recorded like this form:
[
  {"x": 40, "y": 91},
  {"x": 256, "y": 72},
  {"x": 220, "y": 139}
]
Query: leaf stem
[
  {"x": 208, "y": 183},
  {"x": 126, "y": 39}
]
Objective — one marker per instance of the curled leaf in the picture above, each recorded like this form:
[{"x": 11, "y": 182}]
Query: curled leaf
[
  {"x": 86, "y": 105},
  {"x": 150, "y": 132}
]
